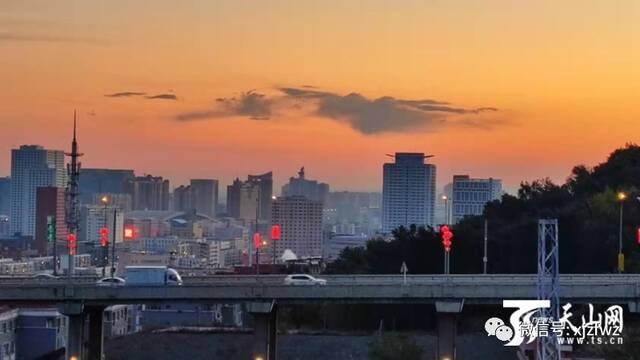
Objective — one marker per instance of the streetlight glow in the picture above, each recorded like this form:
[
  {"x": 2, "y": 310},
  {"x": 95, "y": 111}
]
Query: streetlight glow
[
  {"x": 622, "y": 196},
  {"x": 104, "y": 200}
]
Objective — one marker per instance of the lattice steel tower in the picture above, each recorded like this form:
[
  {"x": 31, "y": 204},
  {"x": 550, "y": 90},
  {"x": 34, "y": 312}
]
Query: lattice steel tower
[
  {"x": 71, "y": 196},
  {"x": 548, "y": 284}
]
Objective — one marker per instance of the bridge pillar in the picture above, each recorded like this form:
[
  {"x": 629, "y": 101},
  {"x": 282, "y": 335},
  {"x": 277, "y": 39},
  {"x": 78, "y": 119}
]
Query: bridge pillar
[
  {"x": 96, "y": 336},
  {"x": 75, "y": 330},
  {"x": 447, "y": 317},
  {"x": 265, "y": 322}
]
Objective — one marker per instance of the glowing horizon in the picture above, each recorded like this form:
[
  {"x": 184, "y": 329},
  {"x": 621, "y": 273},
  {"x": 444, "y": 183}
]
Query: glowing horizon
[{"x": 224, "y": 89}]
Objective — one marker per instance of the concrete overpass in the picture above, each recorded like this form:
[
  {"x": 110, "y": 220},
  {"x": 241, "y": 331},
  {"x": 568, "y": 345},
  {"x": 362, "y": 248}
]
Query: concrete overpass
[{"x": 83, "y": 302}]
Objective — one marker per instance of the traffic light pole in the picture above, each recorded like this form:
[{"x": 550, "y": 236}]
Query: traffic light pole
[
  {"x": 113, "y": 243},
  {"x": 446, "y": 262},
  {"x": 105, "y": 248}
]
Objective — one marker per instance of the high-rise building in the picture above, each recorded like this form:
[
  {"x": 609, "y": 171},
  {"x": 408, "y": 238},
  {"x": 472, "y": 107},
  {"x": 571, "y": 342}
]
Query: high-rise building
[
  {"x": 183, "y": 198},
  {"x": 471, "y": 195},
  {"x": 265, "y": 184},
  {"x": 243, "y": 197},
  {"x": 49, "y": 202},
  {"x": 102, "y": 181},
  {"x": 233, "y": 198},
  {"x": 300, "y": 221},
  {"x": 205, "y": 196},
  {"x": 310, "y": 189},
  {"x": 94, "y": 217},
  {"x": 5, "y": 195},
  {"x": 32, "y": 166},
  {"x": 148, "y": 192},
  {"x": 408, "y": 192}
]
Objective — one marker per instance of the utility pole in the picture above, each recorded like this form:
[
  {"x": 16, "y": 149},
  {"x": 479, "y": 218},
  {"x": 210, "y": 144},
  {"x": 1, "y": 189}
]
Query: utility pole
[
  {"x": 621, "y": 197},
  {"x": 485, "y": 258},
  {"x": 103, "y": 237},
  {"x": 257, "y": 243},
  {"x": 113, "y": 243}
]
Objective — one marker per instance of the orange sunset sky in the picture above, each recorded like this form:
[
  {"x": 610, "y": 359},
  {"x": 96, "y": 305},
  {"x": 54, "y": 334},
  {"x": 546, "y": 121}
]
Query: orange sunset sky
[{"x": 510, "y": 89}]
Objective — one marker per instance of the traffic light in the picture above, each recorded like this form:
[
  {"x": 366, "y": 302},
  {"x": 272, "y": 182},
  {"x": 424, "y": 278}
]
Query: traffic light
[
  {"x": 71, "y": 240},
  {"x": 256, "y": 240},
  {"x": 103, "y": 236},
  {"x": 275, "y": 232},
  {"x": 638, "y": 237},
  {"x": 446, "y": 237},
  {"x": 51, "y": 229}
]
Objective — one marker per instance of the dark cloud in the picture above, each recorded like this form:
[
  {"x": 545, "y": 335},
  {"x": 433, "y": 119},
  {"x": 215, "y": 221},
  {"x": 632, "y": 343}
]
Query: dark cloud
[
  {"x": 163, "y": 97},
  {"x": 126, "y": 94},
  {"x": 198, "y": 115},
  {"x": 251, "y": 104},
  {"x": 384, "y": 114},
  {"x": 368, "y": 116}
]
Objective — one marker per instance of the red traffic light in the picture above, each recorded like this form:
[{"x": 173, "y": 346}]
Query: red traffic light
[
  {"x": 639, "y": 236},
  {"x": 103, "y": 236},
  {"x": 71, "y": 240},
  {"x": 446, "y": 237},
  {"x": 275, "y": 232}
]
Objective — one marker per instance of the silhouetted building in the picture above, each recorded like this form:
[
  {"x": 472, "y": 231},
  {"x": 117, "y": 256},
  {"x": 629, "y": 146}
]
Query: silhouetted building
[
  {"x": 148, "y": 192},
  {"x": 205, "y": 196},
  {"x": 5, "y": 195},
  {"x": 265, "y": 184},
  {"x": 300, "y": 221},
  {"x": 233, "y": 198},
  {"x": 94, "y": 217},
  {"x": 49, "y": 202},
  {"x": 311, "y": 189},
  {"x": 102, "y": 181},
  {"x": 471, "y": 195},
  {"x": 121, "y": 201},
  {"x": 408, "y": 192},
  {"x": 32, "y": 166},
  {"x": 244, "y": 197},
  {"x": 183, "y": 198}
]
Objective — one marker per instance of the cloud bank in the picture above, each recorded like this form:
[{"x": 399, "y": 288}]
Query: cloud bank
[
  {"x": 126, "y": 94},
  {"x": 368, "y": 116}
]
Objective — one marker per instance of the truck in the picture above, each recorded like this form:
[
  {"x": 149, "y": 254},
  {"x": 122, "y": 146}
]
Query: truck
[{"x": 151, "y": 275}]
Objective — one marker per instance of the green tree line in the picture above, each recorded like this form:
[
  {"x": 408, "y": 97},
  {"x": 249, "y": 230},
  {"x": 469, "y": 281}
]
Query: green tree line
[{"x": 587, "y": 209}]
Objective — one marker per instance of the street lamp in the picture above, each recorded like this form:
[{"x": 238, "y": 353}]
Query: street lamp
[
  {"x": 445, "y": 198},
  {"x": 621, "y": 197}
]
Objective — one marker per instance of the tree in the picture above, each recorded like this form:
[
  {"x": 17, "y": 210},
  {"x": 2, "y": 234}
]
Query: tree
[{"x": 585, "y": 206}]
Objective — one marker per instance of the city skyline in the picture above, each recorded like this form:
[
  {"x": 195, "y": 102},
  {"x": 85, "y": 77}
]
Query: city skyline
[{"x": 241, "y": 99}]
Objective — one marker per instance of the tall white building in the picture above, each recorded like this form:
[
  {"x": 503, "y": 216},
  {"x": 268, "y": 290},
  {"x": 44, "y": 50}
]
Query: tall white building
[
  {"x": 408, "y": 192},
  {"x": 94, "y": 217},
  {"x": 32, "y": 166},
  {"x": 471, "y": 195},
  {"x": 300, "y": 221}
]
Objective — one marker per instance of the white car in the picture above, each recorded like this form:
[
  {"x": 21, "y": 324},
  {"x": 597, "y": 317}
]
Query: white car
[
  {"x": 44, "y": 277},
  {"x": 111, "y": 281},
  {"x": 303, "y": 279}
]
